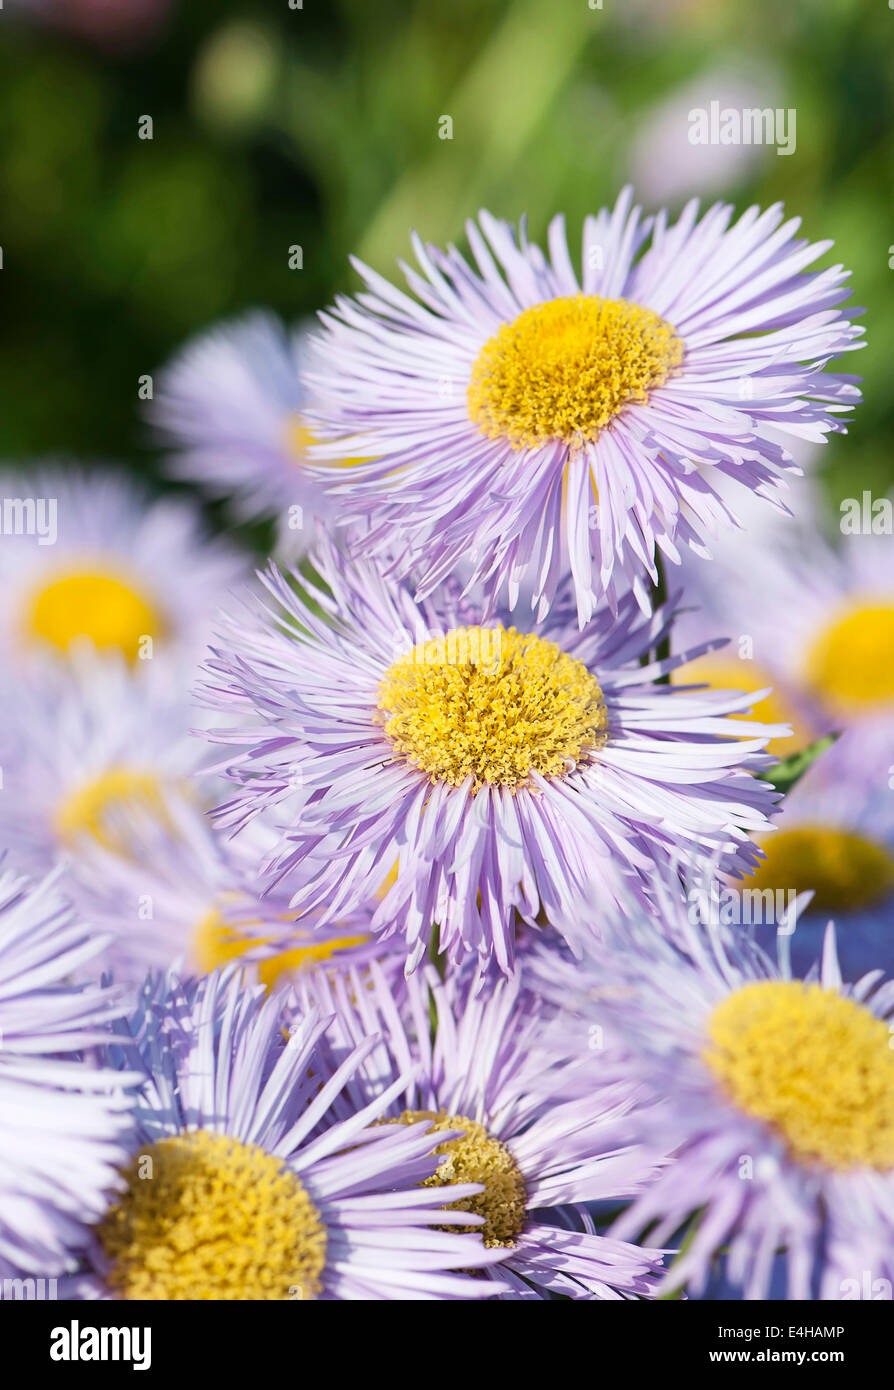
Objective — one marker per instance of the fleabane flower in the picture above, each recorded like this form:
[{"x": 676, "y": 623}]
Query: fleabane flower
[
  {"x": 89, "y": 558},
  {"x": 175, "y": 891},
  {"x": 231, "y": 407},
  {"x": 545, "y": 422},
  {"x": 814, "y": 619},
  {"x": 775, "y": 1096},
  {"x": 237, "y": 1188},
  {"x": 85, "y": 742},
  {"x": 478, "y": 1069},
  {"x": 498, "y": 775},
  {"x": 63, "y": 1124}
]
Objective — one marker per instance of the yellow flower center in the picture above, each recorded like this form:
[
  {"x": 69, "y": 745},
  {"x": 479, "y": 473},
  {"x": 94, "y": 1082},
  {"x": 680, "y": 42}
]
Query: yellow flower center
[
  {"x": 100, "y": 607},
  {"x": 728, "y": 673},
  {"x": 216, "y": 943},
  {"x": 850, "y": 665},
  {"x": 565, "y": 368},
  {"x": 847, "y": 872},
  {"x": 493, "y": 704},
  {"x": 208, "y": 1217},
  {"x": 815, "y": 1065},
  {"x": 93, "y": 808},
  {"x": 476, "y": 1157}
]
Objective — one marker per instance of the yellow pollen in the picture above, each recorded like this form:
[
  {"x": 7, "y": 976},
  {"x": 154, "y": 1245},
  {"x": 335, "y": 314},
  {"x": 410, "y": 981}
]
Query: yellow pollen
[
  {"x": 728, "y": 673},
  {"x": 207, "y": 1217},
  {"x": 565, "y": 368},
  {"x": 493, "y": 704},
  {"x": 476, "y": 1157},
  {"x": 816, "y": 1066},
  {"x": 100, "y": 607},
  {"x": 847, "y": 872},
  {"x": 216, "y": 943},
  {"x": 91, "y": 809},
  {"x": 850, "y": 665}
]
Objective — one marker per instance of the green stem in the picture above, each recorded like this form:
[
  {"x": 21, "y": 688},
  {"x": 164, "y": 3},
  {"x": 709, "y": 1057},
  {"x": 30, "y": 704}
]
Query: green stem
[
  {"x": 659, "y": 597},
  {"x": 684, "y": 1246}
]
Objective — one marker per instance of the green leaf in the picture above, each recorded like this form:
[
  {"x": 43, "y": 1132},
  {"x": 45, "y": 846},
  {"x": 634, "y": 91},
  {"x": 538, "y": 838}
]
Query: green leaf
[{"x": 784, "y": 774}]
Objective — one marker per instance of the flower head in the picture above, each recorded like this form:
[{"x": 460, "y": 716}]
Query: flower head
[
  {"x": 237, "y": 1186},
  {"x": 509, "y": 775},
  {"x": 775, "y": 1096},
  {"x": 231, "y": 406},
  {"x": 818, "y": 618},
  {"x": 85, "y": 743},
  {"x": 479, "y": 1069},
  {"x": 89, "y": 559},
  {"x": 174, "y": 892},
  {"x": 544, "y": 423}
]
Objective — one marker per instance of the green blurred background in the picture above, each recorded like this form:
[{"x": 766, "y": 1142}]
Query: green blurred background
[{"x": 319, "y": 126}]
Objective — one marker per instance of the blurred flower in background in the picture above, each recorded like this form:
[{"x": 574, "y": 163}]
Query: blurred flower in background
[
  {"x": 809, "y": 616},
  {"x": 91, "y": 559},
  {"x": 231, "y": 406},
  {"x": 666, "y": 166},
  {"x": 80, "y": 745}
]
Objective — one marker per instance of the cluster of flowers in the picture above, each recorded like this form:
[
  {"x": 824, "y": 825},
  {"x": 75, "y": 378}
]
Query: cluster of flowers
[{"x": 391, "y": 933}]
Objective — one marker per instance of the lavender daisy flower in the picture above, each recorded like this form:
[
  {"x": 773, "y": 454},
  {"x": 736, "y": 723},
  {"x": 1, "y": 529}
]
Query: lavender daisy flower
[
  {"x": 510, "y": 776},
  {"x": 63, "y": 1125},
  {"x": 776, "y": 1096},
  {"x": 82, "y": 743},
  {"x": 231, "y": 406},
  {"x": 815, "y": 620},
  {"x": 237, "y": 1189},
  {"x": 545, "y": 423},
  {"x": 89, "y": 558},
  {"x": 177, "y": 893},
  {"x": 479, "y": 1069}
]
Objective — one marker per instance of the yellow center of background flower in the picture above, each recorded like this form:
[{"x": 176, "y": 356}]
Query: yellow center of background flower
[
  {"x": 728, "y": 673},
  {"x": 92, "y": 809},
  {"x": 476, "y": 1157},
  {"x": 216, "y": 943},
  {"x": 815, "y": 1065},
  {"x": 206, "y": 1216},
  {"x": 565, "y": 368},
  {"x": 300, "y": 440},
  {"x": 96, "y": 606},
  {"x": 492, "y": 704},
  {"x": 847, "y": 872},
  {"x": 850, "y": 665}
]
